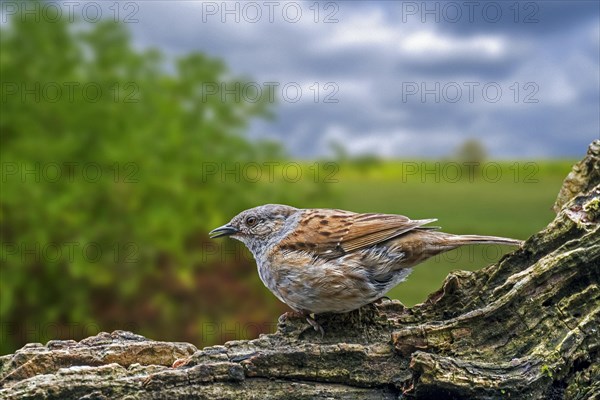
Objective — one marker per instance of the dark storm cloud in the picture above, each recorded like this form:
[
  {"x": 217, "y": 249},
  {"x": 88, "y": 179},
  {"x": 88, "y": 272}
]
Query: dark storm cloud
[
  {"x": 532, "y": 18},
  {"x": 376, "y": 56}
]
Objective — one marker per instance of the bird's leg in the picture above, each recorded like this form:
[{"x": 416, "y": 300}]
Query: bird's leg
[
  {"x": 293, "y": 314},
  {"x": 315, "y": 324}
]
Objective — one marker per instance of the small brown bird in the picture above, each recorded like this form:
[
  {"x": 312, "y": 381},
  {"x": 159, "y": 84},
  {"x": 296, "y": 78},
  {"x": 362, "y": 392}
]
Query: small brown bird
[{"x": 324, "y": 260}]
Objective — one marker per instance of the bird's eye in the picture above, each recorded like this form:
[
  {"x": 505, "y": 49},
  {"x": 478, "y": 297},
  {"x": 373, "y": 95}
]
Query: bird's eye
[{"x": 251, "y": 221}]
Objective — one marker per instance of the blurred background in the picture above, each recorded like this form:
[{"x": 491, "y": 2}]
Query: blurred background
[{"x": 131, "y": 129}]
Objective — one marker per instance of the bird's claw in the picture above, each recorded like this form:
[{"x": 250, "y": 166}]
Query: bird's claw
[{"x": 315, "y": 325}]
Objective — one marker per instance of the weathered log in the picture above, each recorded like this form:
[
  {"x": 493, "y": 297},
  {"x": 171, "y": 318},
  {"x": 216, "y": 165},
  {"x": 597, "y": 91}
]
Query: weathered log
[{"x": 526, "y": 327}]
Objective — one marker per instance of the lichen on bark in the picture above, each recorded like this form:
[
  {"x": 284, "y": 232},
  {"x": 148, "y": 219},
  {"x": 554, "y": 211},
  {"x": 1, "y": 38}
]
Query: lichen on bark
[{"x": 525, "y": 327}]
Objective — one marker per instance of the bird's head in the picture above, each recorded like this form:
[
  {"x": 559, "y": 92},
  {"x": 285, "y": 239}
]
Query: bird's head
[{"x": 257, "y": 226}]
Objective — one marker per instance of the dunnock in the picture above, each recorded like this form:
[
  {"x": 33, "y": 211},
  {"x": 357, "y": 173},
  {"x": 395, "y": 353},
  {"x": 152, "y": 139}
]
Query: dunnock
[{"x": 324, "y": 260}]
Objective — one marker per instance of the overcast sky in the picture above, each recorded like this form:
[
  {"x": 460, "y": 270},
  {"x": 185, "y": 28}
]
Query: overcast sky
[{"x": 404, "y": 78}]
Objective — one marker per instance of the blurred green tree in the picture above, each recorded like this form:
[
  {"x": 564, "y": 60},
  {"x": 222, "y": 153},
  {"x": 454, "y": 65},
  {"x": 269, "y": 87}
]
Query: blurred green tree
[
  {"x": 471, "y": 151},
  {"x": 114, "y": 167}
]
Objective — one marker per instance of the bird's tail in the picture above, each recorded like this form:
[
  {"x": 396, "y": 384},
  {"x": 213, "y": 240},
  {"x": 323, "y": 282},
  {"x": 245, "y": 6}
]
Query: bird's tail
[
  {"x": 460, "y": 240},
  {"x": 421, "y": 244}
]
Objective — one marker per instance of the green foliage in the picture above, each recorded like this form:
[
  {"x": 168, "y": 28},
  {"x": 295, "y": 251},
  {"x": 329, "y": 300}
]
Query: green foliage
[{"x": 106, "y": 192}]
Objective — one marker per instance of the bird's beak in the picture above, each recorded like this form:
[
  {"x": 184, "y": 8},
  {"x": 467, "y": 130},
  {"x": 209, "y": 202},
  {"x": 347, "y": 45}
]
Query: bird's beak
[{"x": 224, "y": 230}]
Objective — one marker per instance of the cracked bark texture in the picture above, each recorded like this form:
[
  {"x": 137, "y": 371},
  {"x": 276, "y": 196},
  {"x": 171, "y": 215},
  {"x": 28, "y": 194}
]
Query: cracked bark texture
[{"x": 526, "y": 328}]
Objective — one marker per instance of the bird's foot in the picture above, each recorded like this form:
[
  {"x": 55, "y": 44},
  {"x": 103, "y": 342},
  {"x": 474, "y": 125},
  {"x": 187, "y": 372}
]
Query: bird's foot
[
  {"x": 289, "y": 315},
  {"x": 381, "y": 300},
  {"x": 315, "y": 325}
]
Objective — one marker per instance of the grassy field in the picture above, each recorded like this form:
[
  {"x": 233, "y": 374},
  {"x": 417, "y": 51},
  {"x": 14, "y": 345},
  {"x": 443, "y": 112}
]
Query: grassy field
[{"x": 511, "y": 199}]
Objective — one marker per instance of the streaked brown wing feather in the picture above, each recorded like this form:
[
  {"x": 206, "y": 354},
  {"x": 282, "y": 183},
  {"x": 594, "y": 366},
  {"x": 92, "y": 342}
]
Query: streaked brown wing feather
[{"x": 332, "y": 233}]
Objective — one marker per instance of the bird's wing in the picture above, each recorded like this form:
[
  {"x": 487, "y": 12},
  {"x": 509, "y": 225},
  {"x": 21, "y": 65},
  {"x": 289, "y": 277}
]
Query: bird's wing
[{"x": 332, "y": 233}]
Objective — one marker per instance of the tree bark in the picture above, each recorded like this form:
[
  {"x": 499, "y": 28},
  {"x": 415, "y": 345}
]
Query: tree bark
[{"x": 526, "y": 327}]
